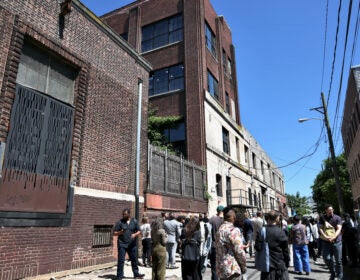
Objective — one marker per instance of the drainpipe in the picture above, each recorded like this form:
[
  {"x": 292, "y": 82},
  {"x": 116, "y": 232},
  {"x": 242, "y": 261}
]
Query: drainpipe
[{"x": 138, "y": 151}]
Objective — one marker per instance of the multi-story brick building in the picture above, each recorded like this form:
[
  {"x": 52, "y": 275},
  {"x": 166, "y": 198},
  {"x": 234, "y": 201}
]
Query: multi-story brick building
[
  {"x": 68, "y": 130},
  {"x": 194, "y": 76},
  {"x": 350, "y": 131}
]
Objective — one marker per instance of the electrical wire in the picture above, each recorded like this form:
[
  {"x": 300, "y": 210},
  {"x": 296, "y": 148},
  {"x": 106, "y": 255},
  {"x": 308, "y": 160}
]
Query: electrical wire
[
  {"x": 342, "y": 72},
  {"x": 325, "y": 39},
  {"x": 308, "y": 155},
  {"x": 335, "y": 47}
]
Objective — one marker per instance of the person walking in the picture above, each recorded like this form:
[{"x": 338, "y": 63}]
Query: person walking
[
  {"x": 127, "y": 229},
  {"x": 159, "y": 238},
  {"x": 330, "y": 229},
  {"x": 172, "y": 230},
  {"x": 190, "y": 258},
  {"x": 215, "y": 222},
  {"x": 313, "y": 244},
  {"x": 248, "y": 233},
  {"x": 230, "y": 258},
  {"x": 300, "y": 249},
  {"x": 273, "y": 258},
  {"x": 205, "y": 246},
  {"x": 257, "y": 223},
  {"x": 146, "y": 241}
]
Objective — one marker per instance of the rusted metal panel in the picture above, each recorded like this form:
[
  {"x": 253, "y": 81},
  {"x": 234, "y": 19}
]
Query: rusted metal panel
[{"x": 28, "y": 192}]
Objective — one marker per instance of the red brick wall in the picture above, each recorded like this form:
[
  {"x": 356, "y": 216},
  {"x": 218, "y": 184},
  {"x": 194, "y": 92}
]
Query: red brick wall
[
  {"x": 46, "y": 250},
  {"x": 103, "y": 140}
]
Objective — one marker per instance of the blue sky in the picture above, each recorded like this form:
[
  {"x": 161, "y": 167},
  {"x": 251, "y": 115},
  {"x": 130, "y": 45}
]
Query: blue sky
[{"x": 279, "y": 60}]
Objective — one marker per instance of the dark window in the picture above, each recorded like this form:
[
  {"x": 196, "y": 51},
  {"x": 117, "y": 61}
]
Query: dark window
[
  {"x": 228, "y": 190},
  {"x": 246, "y": 151},
  {"x": 250, "y": 197},
  {"x": 162, "y": 33},
  {"x": 254, "y": 160},
  {"x": 226, "y": 142},
  {"x": 176, "y": 136},
  {"x": 210, "y": 39},
  {"x": 102, "y": 236},
  {"x": 219, "y": 185},
  {"x": 166, "y": 79},
  {"x": 237, "y": 150},
  {"x": 124, "y": 36},
  {"x": 259, "y": 202},
  {"x": 227, "y": 103},
  {"x": 224, "y": 61},
  {"x": 213, "y": 87}
]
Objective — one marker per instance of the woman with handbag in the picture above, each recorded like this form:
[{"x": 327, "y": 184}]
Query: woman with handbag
[{"x": 190, "y": 259}]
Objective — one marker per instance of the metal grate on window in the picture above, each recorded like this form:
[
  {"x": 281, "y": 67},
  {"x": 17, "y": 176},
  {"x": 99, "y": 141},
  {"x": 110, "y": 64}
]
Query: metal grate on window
[{"x": 102, "y": 236}]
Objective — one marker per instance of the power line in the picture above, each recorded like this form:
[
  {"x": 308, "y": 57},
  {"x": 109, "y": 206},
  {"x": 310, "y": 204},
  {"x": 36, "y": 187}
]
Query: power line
[
  {"x": 342, "y": 69},
  {"x": 335, "y": 47},
  {"x": 308, "y": 155},
  {"x": 324, "y": 54}
]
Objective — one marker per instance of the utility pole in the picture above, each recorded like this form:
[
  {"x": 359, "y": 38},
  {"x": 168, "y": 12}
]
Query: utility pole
[{"x": 339, "y": 190}]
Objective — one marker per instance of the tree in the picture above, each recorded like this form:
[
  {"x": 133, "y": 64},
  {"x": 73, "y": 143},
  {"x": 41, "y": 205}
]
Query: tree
[
  {"x": 299, "y": 204},
  {"x": 324, "y": 188},
  {"x": 156, "y": 127}
]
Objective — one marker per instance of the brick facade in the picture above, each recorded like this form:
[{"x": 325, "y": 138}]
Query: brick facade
[
  {"x": 103, "y": 139},
  {"x": 192, "y": 52},
  {"x": 350, "y": 131}
]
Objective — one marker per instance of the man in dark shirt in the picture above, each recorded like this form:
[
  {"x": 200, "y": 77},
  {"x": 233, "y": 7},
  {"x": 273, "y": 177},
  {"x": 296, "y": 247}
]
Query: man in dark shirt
[
  {"x": 276, "y": 261},
  {"x": 248, "y": 232},
  {"x": 127, "y": 229},
  {"x": 330, "y": 229}
]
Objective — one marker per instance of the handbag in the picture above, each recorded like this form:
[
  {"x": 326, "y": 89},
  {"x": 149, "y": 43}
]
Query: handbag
[{"x": 190, "y": 250}]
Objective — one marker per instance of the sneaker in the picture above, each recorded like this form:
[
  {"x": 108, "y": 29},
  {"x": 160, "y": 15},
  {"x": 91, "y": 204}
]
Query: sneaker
[
  {"x": 316, "y": 262},
  {"x": 307, "y": 273},
  {"x": 139, "y": 276}
]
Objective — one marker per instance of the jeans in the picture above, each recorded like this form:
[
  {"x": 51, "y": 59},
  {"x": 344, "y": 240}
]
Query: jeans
[
  {"x": 121, "y": 260},
  {"x": 330, "y": 250},
  {"x": 301, "y": 258},
  {"x": 171, "y": 251}
]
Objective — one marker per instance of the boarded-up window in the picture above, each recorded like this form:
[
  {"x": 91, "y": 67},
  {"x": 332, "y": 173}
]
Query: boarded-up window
[{"x": 37, "y": 156}]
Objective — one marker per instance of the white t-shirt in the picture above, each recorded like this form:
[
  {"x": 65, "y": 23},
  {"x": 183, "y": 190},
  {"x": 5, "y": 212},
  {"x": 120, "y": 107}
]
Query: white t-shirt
[{"x": 145, "y": 231}]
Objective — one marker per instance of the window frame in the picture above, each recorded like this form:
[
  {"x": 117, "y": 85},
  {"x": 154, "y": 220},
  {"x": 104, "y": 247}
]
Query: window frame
[
  {"x": 154, "y": 39},
  {"x": 210, "y": 40},
  {"x": 226, "y": 140},
  {"x": 169, "y": 80},
  {"x": 213, "y": 86}
]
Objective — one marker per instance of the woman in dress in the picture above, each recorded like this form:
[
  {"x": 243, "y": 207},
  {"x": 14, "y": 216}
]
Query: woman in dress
[{"x": 159, "y": 238}]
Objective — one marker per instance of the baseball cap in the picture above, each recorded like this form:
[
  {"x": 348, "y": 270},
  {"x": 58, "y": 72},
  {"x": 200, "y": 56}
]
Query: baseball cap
[{"x": 220, "y": 208}]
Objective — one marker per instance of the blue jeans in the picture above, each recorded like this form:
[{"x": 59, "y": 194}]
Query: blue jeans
[
  {"x": 301, "y": 258},
  {"x": 121, "y": 260},
  {"x": 171, "y": 251},
  {"x": 330, "y": 250}
]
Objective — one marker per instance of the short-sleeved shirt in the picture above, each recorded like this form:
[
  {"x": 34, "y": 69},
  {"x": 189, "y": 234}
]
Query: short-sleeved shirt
[
  {"x": 333, "y": 220},
  {"x": 124, "y": 240}
]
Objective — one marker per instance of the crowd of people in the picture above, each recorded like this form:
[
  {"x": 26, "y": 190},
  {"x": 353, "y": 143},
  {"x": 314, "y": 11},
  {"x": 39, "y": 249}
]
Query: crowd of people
[{"x": 225, "y": 241}]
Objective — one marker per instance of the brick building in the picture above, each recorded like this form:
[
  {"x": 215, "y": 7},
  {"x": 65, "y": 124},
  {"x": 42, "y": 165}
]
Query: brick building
[
  {"x": 68, "y": 133},
  {"x": 194, "y": 76},
  {"x": 350, "y": 131}
]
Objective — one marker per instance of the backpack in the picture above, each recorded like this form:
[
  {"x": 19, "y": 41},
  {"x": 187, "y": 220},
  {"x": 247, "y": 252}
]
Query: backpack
[
  {"x": 190, "y": 250},
  {"x": 298, "y": 235}
]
